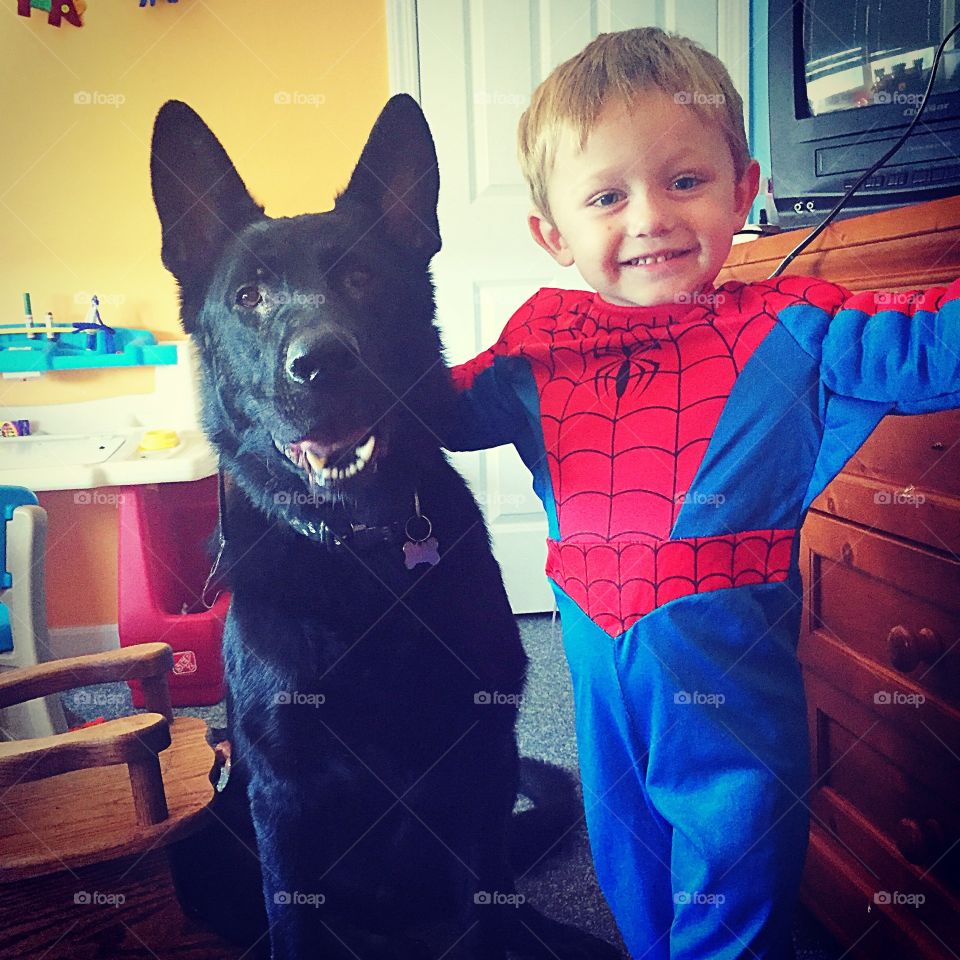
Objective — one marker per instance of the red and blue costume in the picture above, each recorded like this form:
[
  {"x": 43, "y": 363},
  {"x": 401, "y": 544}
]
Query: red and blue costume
[{"x": 676, "y": 450}]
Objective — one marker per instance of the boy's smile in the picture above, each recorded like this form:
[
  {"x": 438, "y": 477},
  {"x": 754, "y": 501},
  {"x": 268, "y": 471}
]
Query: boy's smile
[{"x": 648, "y": 208}]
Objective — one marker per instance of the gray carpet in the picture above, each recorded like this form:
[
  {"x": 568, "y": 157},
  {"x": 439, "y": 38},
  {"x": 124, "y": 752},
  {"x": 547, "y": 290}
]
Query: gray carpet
[{"x": 566, "y": 888}]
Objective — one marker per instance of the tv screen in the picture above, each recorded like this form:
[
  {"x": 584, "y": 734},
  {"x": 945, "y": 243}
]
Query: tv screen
[{"x": 845, "y": 80}]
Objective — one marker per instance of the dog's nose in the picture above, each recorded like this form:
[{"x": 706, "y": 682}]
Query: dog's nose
[{"x": 314, "y": 357}]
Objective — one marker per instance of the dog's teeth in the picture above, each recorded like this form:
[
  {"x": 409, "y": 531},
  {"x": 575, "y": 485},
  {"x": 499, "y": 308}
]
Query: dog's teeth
[
  {"x": 316, "y": 462},
  {"x": 365, "y": 452},
  {"x": 351, "y": 470}
]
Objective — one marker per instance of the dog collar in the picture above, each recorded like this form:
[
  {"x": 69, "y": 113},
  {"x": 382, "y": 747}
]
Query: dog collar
[
  {"x": 419, "y": 547},
  {"x": 358, "y": 535}
]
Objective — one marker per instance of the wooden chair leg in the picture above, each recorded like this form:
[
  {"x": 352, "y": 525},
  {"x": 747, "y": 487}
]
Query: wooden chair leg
[{"x": 149, "y": 799}]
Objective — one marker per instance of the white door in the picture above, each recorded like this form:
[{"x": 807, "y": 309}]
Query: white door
[{"x": 474, "y": 67}]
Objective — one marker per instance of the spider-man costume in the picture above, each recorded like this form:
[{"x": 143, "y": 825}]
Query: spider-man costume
[{"x": 676, "y": 450}]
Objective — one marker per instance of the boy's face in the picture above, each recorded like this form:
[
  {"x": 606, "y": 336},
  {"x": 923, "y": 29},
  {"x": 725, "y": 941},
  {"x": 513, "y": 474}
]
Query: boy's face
[{"x": 654, "y": 180}]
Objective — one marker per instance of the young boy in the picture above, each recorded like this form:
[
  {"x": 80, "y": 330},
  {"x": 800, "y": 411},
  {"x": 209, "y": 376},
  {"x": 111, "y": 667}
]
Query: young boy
[{"x": 677, "y": 434}]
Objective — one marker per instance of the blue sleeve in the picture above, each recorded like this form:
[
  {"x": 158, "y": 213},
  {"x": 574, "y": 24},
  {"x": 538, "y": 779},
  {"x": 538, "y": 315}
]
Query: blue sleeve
[
  {"x": 487, "y": 411},
  {"x": 896, "y": 348}
]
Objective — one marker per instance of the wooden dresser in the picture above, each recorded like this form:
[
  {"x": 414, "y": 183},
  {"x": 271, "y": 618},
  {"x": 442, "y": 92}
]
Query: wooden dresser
[{"x": 880, "y": 637}]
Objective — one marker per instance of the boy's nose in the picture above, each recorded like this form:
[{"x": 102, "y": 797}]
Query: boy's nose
[{"x": 647, "y": 217}]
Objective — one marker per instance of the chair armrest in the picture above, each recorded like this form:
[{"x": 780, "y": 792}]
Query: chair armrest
[
  {"x": 135, "y": 741},
  {"x": 125, "y": 740},
  {"x": 149, "y": 662}
]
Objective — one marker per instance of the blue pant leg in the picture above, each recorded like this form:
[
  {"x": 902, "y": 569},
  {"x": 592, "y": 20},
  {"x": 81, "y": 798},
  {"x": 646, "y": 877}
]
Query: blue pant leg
[
  {"x": 713, "y": 681},
  {"x": 629, "y": 840}
]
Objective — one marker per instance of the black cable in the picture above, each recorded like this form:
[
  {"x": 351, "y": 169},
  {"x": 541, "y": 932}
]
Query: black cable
[{"x": 807, "y": 240}]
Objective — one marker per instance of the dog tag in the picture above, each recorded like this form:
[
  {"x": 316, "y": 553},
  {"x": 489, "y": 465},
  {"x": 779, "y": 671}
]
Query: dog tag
[{"x": 424, "y": 551}]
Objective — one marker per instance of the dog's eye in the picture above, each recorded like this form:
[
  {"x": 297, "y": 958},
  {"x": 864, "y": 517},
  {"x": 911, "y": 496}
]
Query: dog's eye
[{"x": 249, "y": 297}]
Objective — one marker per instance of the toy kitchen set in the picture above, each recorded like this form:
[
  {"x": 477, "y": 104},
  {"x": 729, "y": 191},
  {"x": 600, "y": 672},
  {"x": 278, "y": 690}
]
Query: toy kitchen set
[{"x": 142, "y": 452}]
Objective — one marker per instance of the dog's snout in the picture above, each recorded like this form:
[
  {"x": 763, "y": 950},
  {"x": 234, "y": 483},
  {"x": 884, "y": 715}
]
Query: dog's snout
[{"x": 314, "y": 357}]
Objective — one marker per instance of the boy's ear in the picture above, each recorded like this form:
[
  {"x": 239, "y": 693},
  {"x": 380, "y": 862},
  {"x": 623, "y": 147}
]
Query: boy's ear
[
  {"x": 745, "y": 190},
  {"x": 549, "y": 237}
]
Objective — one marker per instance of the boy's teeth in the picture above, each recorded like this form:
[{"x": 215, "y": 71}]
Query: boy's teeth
[{"x": 643, "y": 261}]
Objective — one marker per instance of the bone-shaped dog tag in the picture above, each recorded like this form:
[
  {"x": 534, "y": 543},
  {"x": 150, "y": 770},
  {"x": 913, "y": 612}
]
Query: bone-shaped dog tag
[{"x": 424, "y": 551}]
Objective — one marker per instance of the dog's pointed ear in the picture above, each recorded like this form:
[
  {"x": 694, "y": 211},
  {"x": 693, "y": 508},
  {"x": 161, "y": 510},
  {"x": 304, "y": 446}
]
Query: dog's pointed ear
[
  {"x": 200, "y": 197},
  {"x": 397, "y": 173}
]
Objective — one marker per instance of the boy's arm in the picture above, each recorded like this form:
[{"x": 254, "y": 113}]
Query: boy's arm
[
  {"x": 487, "y": 411},
  {"x": 899, "y": 348}
]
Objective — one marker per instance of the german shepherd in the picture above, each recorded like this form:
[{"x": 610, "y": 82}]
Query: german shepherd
[{"x": 373, "y": 663}]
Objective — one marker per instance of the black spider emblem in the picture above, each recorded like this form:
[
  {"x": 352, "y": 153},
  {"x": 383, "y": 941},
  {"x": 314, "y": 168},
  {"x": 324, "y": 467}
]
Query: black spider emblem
[{"x": 628, "y": 366}]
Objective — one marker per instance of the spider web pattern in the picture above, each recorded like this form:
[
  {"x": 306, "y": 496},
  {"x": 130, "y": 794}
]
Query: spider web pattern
[
  {"x": 629, "y": 399},
  {"x": 617, "y": 582}
]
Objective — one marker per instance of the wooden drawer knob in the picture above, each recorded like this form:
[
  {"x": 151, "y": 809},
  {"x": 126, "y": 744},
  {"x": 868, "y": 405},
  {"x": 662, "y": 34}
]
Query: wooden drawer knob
[
  {"x": 908, "y": 649},
  {"x": 919, "y": 843}
]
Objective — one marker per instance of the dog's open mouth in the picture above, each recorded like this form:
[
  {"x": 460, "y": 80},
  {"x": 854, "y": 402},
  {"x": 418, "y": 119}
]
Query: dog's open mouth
[{"x": 327, "y": 462}]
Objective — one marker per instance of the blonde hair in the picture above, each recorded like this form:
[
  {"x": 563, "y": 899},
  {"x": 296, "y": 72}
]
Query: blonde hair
[{"x": 622, "y": 67}]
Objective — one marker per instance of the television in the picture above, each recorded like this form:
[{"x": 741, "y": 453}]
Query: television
[{"x": 845, "y": 80}]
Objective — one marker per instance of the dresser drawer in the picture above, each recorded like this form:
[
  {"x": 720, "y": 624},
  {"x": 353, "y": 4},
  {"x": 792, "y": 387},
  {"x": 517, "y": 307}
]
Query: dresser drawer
[
  {"x": 914, "y": 513},
  {"x": 892, "y": 602},
  {"x": 922, "y": 451},
  {"x": 890, "y": 806}
]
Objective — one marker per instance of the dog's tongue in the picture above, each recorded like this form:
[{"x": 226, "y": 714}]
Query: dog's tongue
[{"x": 319, "y": 454}]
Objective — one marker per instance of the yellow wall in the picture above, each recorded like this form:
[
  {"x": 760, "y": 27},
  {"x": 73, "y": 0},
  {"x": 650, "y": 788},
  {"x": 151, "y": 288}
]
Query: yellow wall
[{"x": 76, "y": 214}]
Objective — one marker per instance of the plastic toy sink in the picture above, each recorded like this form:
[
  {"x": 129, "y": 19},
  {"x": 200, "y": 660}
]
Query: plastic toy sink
[
  {"x": 103, "y": 460},
  {"x": 148, "y": 438}
]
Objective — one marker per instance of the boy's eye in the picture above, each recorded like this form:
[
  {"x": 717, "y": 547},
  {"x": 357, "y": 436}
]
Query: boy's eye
[
  {"x": 690, "y": 182},
  {"x": 605, "y": 199}
]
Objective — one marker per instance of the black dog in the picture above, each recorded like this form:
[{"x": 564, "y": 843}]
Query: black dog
[{"x": 373, "y": 662}]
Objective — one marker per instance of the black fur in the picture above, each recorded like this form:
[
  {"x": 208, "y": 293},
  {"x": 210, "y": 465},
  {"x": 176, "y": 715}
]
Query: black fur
[{"x": 376, "y": 780}]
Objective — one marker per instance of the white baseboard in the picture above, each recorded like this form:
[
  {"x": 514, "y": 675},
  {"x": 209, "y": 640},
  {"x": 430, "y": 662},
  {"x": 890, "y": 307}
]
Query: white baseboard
[{"x": 75, "y": 641}]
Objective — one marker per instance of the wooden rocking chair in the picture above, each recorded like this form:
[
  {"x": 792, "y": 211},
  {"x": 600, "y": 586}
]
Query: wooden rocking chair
[{"x": 97, "y": 806}]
